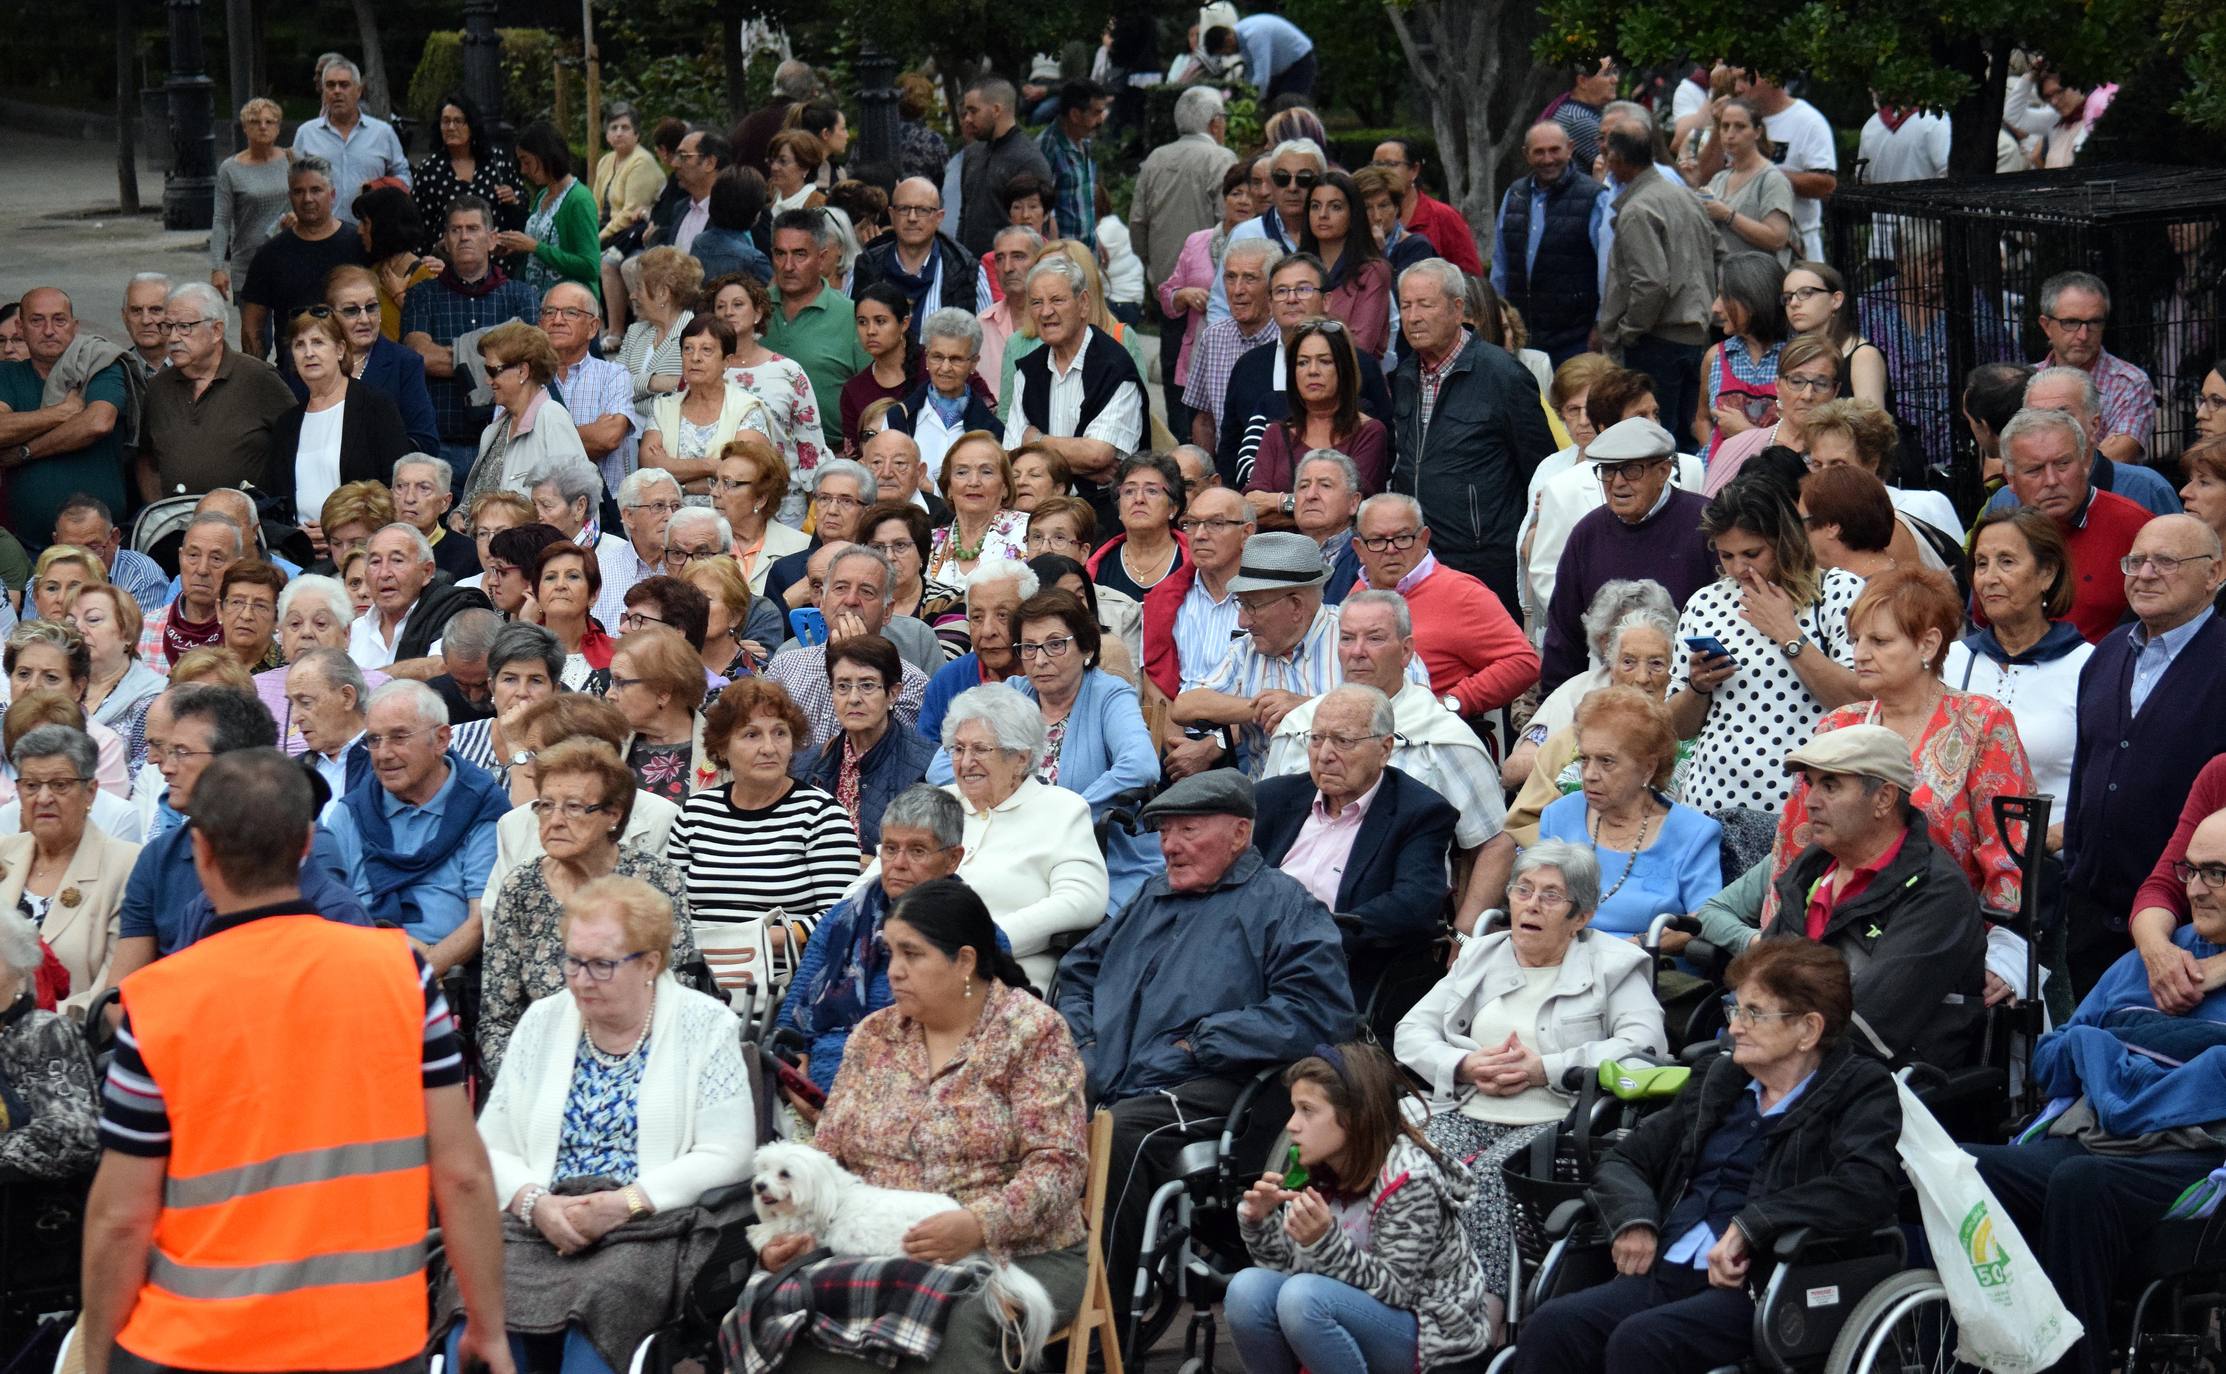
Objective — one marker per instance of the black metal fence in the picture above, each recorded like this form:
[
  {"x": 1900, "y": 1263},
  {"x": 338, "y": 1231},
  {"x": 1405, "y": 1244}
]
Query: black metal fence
[{"x": 1947, "y": 275}]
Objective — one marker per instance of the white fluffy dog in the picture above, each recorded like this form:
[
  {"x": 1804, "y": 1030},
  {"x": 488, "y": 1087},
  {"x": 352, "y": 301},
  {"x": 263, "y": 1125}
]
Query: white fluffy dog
[{"x": 801, "y": 1190}]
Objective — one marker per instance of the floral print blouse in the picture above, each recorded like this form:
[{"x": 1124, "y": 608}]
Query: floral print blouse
[
  {"x": 1006, "y": 537},
  {"x": 43, "y": 1058},
  {"x": 1969, "y": 755},
  {"x": 524, "y": 959},
  {"x": 780, "y": 383},
  {"x": 1001, "y": 1127}
]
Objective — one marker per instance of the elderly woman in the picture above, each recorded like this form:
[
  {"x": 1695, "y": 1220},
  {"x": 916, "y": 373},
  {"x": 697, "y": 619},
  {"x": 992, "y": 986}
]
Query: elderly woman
[
  {"x": 111, "y": 812},
  {"x": 1851, "y": 522},
  {"x": 1863, "y": 435},
  {"x": 1038, "y": 475},
  {"x": 50, "y": 656},
  {"x": 622, "y": 1102},
  {"x": 1809, "y": 372},
  {"x": 765, "y": 855},
  {"x": 1792, "y": 656},
  {"x": 951, "y": 401},
  {"x": 1698, "y": 1195},
  {"x": 792, "y": 413},
  {"x": 348, "y": 519},
  {"x": 313, "y": 613},
  {"x": 118, "y": 684},
  {"x": 967, "y": 1085},
  {"x": 1118, "y": 618},
  {"x": 1663, "y": 856},
  {"x": 657, "y": 680},
  {"x": 689, "y": 428},
  {"x": 66, "y": 876},
  {"x": 875, "y": 757},
  {"x": 247, "y": 602},
  {"x": 1611, "y": 606},
  {"x": 730, "y": 650},
  {"x": 566, "y": 582},
  {"x": 52, "y": 1131},
  {"x": 524, "y": 665},
  {"x": 793, "y": 158},
  {"x": 1640, "y": 655},
  {"x": 1322, "y": 378},
  {"x": 1520, "y": 1008},
  {"x": 978, "y": 484},
  {"x": 554, "y": 720},
  {"x": 584, "y": 800},
  {"x": 531, "y": 428},
  {"x": 899, "y": 531},
  {"x": 626, "y": 181},
  {"x": 1149, "y": 488},
  {"x": 1965, "y": 746},
  {"x": 1042, "y": 873},
  {"x": 2204, "y": 495},
  {"x": 750, "y": 488},
  {"x": 668, "y": 281}
]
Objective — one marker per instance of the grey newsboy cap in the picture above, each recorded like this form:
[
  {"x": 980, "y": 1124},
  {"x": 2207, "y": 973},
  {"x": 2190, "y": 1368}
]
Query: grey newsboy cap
[
  {"x": 1863, "y": 751},
  {"x": 1626, "y": 440},
  {"x": 1279, "y": 561},
  {"x": 1218, "y": 792}
]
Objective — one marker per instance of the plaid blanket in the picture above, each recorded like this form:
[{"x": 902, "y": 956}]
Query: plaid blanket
[{"x": 880, "y": 1310}]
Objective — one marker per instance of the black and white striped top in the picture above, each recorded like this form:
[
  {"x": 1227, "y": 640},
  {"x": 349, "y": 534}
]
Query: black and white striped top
[{"x": 799, "y": 854}]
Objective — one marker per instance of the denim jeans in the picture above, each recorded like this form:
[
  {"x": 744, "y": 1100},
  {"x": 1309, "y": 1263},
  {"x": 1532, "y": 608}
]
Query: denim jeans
[
  {"x": 579, "y": 1356},
  {"x": 1282, "y": 1321}
]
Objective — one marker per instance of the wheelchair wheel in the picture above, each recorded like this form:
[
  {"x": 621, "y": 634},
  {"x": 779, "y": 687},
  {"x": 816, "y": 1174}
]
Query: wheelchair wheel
[
  {"x": 2174, "y": 1332},
  {"x": 1163, "y": 1301},
  {"x": 1903, "y": 1326}
]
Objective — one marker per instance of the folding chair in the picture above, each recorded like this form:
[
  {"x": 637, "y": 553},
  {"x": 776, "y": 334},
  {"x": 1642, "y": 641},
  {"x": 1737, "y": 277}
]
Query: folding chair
[{"x": 1097, "y": 1313}]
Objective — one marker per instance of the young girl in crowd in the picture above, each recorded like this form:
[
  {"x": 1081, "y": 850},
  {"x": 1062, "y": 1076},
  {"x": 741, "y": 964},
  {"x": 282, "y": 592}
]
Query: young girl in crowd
[{"x": 1365, "y": 1270}]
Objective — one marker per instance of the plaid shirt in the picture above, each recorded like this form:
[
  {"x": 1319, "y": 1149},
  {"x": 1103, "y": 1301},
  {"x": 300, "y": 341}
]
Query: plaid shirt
[
  {"x": 2128, "y": 397},
  {"x": 1434, "y": 375},
  {"x": 1219, "y": 346},
  {"x": 802, "y": 669},
  {"x": 152, "y": 651},
  {"x": 440, "y": 314},
  {"x": 1077, "y": 183},
  {"x": 592, "y": 389},
  {"x": 1310, "y": 669},
  {"x": 867, "y": 1309}
]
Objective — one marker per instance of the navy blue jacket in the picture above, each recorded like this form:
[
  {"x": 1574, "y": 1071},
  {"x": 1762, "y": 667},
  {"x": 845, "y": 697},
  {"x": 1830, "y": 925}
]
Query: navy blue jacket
[
  {"x": 1559, "y": 294},
  {"x": 899, "y": 759},
  {"x": 904, "y": 416}
]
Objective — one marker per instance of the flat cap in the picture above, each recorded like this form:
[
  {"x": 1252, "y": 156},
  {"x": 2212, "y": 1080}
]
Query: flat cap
[
  {"x": 1629, "y": 440},
  {"x": 1217, "y": 792},
  {"x": 1863, "y": 751},
  {"x": 1279, "y": 561}
]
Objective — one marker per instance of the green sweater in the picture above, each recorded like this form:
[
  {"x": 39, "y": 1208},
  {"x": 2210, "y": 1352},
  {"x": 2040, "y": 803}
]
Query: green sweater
[{"x": 570, "y": 248}]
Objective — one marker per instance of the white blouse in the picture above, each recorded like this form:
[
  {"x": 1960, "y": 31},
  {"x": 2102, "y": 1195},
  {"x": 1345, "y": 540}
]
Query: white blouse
[{"x": 317, "y": 460}]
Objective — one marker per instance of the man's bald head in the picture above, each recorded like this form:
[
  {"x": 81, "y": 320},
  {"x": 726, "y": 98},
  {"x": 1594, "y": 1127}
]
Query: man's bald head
[
  {"x": 47, "y": 299},
  {"x": 915, "y": 212}
]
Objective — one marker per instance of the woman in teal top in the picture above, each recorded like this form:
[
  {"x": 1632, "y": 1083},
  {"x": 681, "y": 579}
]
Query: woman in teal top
[{"x": 560, "y": 235}]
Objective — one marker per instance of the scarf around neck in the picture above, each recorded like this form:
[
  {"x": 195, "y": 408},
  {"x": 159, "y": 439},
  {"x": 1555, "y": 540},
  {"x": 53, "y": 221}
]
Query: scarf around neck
[{"x": 473, "y": 800}]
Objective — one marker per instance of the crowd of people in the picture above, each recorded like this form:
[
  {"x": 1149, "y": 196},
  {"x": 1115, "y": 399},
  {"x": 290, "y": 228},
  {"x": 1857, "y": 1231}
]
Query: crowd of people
[{"x": 741, "y": 579}]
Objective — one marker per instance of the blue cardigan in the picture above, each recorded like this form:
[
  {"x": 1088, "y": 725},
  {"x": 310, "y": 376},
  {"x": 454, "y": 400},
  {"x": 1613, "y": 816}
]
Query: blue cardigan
[
  {"x": 958, "y": 675},
  {"x": 893, "y": 764},
  {"x": 1107, "y": 751},
  {"x": 1681, "y": 869}
]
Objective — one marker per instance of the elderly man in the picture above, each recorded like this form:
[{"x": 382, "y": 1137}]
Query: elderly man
[
  {"x": 2045, "y": 462},
  {"x": 1012, "y": 255},
  {"x": 794, "y": 83},
  {"x": 841, "y": 491},
  {"x": 1250, "y": 323},
  {"x": 1323, "y": 499},
  {"x": 1369, "y": 841},
  {"x": 87, "y": 522},
  {"x": 64, "y": 415},
  {"x": 2074, "y": 310},
  {"x": 1661, "y": 275},
  {"x": 418, "y": 834},
  {"x": 288, "y": 274},
  {"x": 1190, "y": 619},
  {"x": 946, "y": 404},
  {"x": 2132, "y": 766},
  {"x": 462, "y": 681},
  {"x": 598, "y": 393},
  {"x": 855, "y": 595},
  {"x": 997, "y": 151},
  {"x": 410, "y": 606},
  {"x": 647, "y": 502},
  {"x": 2143, "y": 1086},
  {"x": 1872, "y": 884},
  {"x": 1476, "y": 655},
  {"x": 1469, "y": 429},
  {"x": 469, "y": 298},
  {"x": 239, "y": 507},
  {"x": 1298, "y": 289},
  {"x": 1446, "y": 228},
  {"x": 1178, "y": 189},
  {"x": 1648, "y": 529},
  {"x": 1168, "y": 1043},
  {"x": 209, "y": 414},
  {"x": 696, "y": 165},
  {"x": 164, "y": 908},
  {"x": 146, "y": 303},
  {"x": 565, "y": 491},
  {"x": 358, "y": 148},
  {"x": 1544, "y": 262},
  {"x": 994, "y": 590},
  {"x": 1375, "y": 648},
  {"x": 2073, "y": 391},
  {"x": 212, "y": 544},
  {"x": 1197, "y": 468},
  {"x": 1080, "y": 393},
  {"x": 811, "y": 320},
  {"x": 917, "y": 257},
  {"x": 423, "y": 491},
  {"x": 326, "y": 700}
]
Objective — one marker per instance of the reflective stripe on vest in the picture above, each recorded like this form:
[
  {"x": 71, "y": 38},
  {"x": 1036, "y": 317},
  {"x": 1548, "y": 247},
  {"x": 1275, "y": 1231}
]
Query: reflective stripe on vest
[
  {"x": 208, "y": 1283},
  {"x": 305, "y": 1166}
]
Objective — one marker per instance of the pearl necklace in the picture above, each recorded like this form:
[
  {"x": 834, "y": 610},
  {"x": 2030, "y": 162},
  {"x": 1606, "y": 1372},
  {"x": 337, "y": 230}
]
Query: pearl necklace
[
  {"x": 605, "y": 1057},
  {"x": 1646, "y": 824}
]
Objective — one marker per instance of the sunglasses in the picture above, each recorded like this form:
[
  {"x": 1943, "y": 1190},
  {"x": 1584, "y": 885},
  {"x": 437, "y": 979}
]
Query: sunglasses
[{"x": 1307, "y": 179}]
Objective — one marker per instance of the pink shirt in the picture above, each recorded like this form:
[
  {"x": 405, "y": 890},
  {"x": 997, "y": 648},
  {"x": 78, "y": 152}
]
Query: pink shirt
[
  {"x": 1317, "y": 857},
  {"x": 691, "y": 224},
  {"x": 997, "y": 330}
]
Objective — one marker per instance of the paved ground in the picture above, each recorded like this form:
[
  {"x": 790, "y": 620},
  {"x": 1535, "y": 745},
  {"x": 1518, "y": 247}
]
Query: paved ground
[{"x": 61, "y": 227}]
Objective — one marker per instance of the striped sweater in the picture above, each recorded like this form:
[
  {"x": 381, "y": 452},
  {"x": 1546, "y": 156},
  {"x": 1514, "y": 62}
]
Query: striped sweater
[{"x": 799, "y": 854}]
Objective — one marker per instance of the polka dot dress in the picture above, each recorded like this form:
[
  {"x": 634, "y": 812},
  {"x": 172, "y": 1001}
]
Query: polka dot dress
[{"x": 1764, "y": 712}]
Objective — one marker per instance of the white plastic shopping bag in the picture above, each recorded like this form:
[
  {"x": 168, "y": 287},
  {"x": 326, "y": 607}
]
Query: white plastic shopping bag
[{"x": 2008, "y": 1317}]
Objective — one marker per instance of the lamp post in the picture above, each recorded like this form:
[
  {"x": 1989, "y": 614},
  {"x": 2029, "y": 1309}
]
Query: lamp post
[
  {"x": 189, "y": 188},
  {"x": 483, "y": 66},
  {"x": 877, "y": 97}
]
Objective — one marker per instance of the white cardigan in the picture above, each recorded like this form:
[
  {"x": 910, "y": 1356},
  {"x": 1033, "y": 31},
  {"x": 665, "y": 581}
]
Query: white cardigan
[
  {"x": 1602, "y": 1005},
  {"x": 694, "y": 1123},
  {"x": 1035, "y": 863}
]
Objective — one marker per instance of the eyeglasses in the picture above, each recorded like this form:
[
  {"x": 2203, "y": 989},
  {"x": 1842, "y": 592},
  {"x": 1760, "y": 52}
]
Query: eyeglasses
[
  {"x": 357, "y": 311},
  {"x": 1055, "y": 647},
  {"x": 1377, "y": 543},
  {"x": 660, "y": 507},
  {"x": 681, "y": 558},
  {"x": 915, "y": 211},
  {"x": 315, "y": 312},
  {"x": 1307, "y": 179},
  {"x": 1260, "y": 605},
  {"x": 1548, "y": 896},
  {"x": 2164, "y": 564},
  {"x": 1739, "y": 1015},
  {"x": 1132, "y": 490},
  {"x": 2213, "y": 875},
  {"x": 238, "y": 605},
  {"x": 938, "y": 358},
  {"x": 177, "y": 753},
  {"x": 2207, "y": 404},
  {"x": 1801, "y": 295},
  {"x": 398, "y": 737},
  {"x": 184, "y": 326},
  {"x": 961, "y": 752},
  {"x": 1341, "y": 743},
  {"x": 857, "y": 686},
  {"x": 2087, "y": 326},
  {"x": 1321, "y": 326},
  {"x": 57, "y": 787},
  {"x": 565, "y": 312},
  {"x": 1208, "y": 525},
  {"x": 634, "y": 620},
  {"x": 912, "y": 853},
  {"x": 1298, "y": 292},
  {"x": 729, "y": 484},
  {"x": 596, "y": 970},
  {"x": 1611, "y": 473},
  {"x": 894, "y": 548},
  {"x": 570, "y": 810},
  {"x": 1809, "y": 386},
  {"x": 840, "y": 502}
]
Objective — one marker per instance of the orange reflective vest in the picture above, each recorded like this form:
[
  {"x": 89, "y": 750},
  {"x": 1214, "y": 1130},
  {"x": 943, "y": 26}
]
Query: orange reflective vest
[{"x": 289, "y": 1051}]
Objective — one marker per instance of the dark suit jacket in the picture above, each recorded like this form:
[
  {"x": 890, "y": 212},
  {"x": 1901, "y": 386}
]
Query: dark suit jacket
[
  {"x": 371, "y": 438},
  {"x": 1395, "y": 875}
]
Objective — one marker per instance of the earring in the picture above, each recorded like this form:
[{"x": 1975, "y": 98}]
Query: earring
[{"x": 969, "y": 985}]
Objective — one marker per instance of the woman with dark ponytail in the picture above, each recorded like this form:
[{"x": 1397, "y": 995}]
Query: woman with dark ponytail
[{"x": 966, "y": 1084}]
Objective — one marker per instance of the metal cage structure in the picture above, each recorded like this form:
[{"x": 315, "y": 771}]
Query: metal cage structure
[{"x": 1946, "y": 275}]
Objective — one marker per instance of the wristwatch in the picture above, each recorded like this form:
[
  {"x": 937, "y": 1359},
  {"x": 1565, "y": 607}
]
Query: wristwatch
[
  {"x": 1290, "y": 502},
  {"x": 1451, "y": 703},
  {"x": 1794, "y": 646}
]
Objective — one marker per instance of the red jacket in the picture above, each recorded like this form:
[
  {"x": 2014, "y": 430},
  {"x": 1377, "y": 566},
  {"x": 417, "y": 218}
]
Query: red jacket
[
  {"x": 1161, "y": 603},
  {"x": 1448, "y": 232}
]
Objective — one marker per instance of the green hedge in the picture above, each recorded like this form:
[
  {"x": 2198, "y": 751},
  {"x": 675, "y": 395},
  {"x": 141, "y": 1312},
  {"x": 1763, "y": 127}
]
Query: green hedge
[{"x": 528, "y": 74}]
